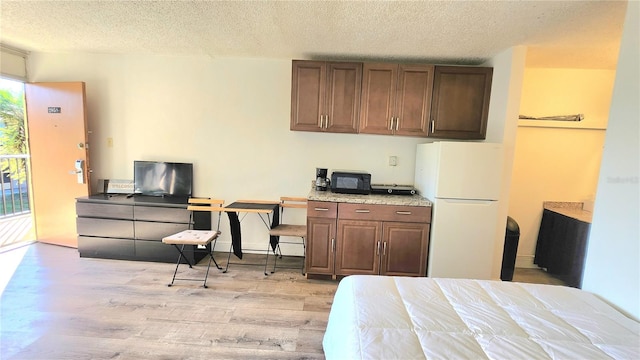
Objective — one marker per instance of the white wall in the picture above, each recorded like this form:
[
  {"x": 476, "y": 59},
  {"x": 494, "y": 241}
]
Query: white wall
[
  {"x": 230, "y": 117},
  {"x": 612, "y": 268},
  {"x": 551, "y": 92},
  {"x": 557, "y": 160},
  {"x": 550, "y": 165},
  {"x": 506, "y": 88}
]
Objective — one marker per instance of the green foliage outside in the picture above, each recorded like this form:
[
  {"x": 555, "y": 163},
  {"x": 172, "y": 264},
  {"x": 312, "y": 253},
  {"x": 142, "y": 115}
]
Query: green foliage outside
[{"x": 13, "y": 139}]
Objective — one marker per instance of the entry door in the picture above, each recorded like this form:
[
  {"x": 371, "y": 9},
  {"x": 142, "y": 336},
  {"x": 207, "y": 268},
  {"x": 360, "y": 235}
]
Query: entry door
[{"x": 56, "y": 119}]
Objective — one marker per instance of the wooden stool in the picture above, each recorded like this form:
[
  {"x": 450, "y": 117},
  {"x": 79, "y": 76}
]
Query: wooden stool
[{"x": 196, "y": 238}]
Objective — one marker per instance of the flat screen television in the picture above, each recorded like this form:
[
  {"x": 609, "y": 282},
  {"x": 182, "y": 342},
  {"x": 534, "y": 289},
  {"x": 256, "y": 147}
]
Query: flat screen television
[{"x": 159, "y": 178}]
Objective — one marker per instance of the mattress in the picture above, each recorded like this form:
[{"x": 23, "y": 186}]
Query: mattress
[{"x": 379, "y": 317}]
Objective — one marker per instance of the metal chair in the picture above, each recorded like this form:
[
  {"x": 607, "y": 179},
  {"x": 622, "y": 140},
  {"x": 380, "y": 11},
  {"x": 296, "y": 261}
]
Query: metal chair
[
  {"x": 290, "y": 230},
  {"x": 200, "y": 239}
]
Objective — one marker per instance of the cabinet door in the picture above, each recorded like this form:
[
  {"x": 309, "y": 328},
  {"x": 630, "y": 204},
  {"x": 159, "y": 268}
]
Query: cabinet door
[
  {"x": 405, "y": 248},
  {"x": 343, "y": 97},
  {"x": 460, "y": 106},
  {"x": 413, "y": 100},
  {"x": 378, "y": 98},
  {"x": 358, "y": 246},
  {"x": 308, "y": 82},
  {"x": 321, "y": 234}
]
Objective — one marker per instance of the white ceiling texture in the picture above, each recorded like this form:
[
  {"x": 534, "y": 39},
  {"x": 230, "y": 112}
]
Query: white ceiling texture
[{"x": 574, "y": 34}]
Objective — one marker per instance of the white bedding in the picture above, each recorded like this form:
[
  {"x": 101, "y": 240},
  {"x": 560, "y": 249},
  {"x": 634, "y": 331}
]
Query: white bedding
[{"x": 378, "y": 317}]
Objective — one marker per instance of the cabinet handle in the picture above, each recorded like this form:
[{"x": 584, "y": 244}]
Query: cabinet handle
[
  {"x": 403, "y": 212},
  {"x": 433, "y": 125},
  {"x": 321, "y": 209},
  {"x": 326, "y": 121},
  {"x": 321, "y": 121},
  {"x": 391, "y": 124},
  {"x": 333, "y": 245},
  {"x": 364, "y": 211},
  {"x": 397, "y": 122},
  {"x": 384, "y": 248},
  {"x": 378, "y": 249}
]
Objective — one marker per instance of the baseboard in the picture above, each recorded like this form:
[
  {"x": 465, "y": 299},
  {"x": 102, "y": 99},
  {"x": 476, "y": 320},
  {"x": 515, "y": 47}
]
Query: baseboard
[{"x": 287, "y": 249}]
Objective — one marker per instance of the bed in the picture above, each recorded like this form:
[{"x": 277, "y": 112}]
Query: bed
[{"x": 380, "y": 317}]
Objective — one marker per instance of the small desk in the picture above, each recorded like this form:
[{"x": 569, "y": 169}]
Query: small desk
[{"x": 268, "y": 213}]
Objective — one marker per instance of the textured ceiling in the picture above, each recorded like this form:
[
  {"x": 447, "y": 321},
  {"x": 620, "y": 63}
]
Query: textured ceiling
[{"x": 580, "y": 34}]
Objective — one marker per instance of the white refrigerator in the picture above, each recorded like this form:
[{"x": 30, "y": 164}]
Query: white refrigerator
[{"x": 463, "y": 181}]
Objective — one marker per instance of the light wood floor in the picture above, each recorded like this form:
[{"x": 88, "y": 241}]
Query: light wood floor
[{"x": 59, "y": 306}]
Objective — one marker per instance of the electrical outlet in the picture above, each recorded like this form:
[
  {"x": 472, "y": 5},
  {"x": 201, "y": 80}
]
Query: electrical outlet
[{"x": 393, "y": 160}]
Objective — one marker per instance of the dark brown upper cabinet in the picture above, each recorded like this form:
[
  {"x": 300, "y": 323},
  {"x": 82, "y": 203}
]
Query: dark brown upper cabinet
[
  {"x": 396, "y": 99},
  {"x": 460, "y": 105},
  {"x": 325, "y": 96}
]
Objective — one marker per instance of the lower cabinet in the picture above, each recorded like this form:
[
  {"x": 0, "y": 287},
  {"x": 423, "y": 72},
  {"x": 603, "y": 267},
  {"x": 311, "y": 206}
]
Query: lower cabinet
[
  {"x": 114, "y": 227},
  {"x": 404, "y": 249},
  {"x": 368, "y": 240},
  {"x": 358, "y": 247},
  {"x": 321, "y": 237}
]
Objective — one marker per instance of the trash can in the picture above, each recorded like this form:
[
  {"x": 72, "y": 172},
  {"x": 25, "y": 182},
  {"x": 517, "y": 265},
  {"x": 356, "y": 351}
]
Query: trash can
[{"x": 511, "y": 238}]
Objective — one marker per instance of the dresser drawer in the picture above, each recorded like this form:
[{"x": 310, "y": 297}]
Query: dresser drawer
[
  {"x": 322, "y": 209},
  {"x": 106, "y": 248},
  {"x": 418, "y": 214},
  {"x": 110, "y": 211},
  {"x": 162, "y": 214},
  {"x": 156, "y": 230},
  {"x": 105, "y": 227}
]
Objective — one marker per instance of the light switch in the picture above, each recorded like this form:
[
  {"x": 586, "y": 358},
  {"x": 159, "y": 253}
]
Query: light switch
[{"x": 393, "y": 160}]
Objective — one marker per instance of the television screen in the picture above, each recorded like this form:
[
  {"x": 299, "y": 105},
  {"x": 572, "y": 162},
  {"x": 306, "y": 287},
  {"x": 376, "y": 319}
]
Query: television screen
[{"x": 156, "y": 178}]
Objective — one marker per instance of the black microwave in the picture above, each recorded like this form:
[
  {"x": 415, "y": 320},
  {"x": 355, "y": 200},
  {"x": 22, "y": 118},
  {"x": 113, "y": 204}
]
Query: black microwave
[{"x": 350, "y": 182}]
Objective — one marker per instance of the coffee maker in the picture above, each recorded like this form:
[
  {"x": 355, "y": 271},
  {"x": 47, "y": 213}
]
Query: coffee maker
[{"x": 322, "y": 182}]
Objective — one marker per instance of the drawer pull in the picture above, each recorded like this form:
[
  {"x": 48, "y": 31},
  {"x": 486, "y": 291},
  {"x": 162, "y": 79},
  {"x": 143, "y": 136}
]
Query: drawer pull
[
  {"x": 403, "y": 212},
  {"x": 321, "y": 209},
  {"x": 363, "y": 211}
]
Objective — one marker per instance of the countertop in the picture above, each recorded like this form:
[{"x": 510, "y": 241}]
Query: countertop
[
  {"x": 571, "y": 209},
  {"x": 402, "y": 200}
]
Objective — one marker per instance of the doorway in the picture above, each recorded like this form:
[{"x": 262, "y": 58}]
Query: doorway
[
  {"x": 16, "y": 217},
  {"x": 45, "y": 159},
  {"x": 557, "y": 160}
]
